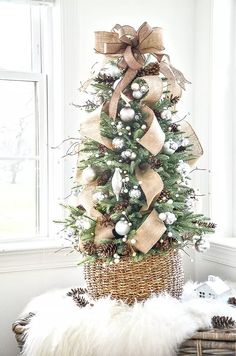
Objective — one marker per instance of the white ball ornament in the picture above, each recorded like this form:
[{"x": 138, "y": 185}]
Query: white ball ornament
[
  {"x": 118, "y": 143},
  {"x": 88, "y": 175},
  {"x": 183, "y": 168},
  {"x": 144, "y": 89},
  {"x": 98, "y": 197},
  {"x": 166, "y": 114},
  {"x": 122, "y": 228},
  {"x": 133, "y": 156},
  {"x": 127, "y": 114},
  {"x": 135, "y": 86},
  {"x": 133, "y": 241},
  {"x": 137, "y": 94},
  {"x": 126, "y": 154}
]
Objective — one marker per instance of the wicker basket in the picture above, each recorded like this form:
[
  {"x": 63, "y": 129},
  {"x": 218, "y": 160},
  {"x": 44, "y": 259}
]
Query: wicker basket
[
  {"x": 131, "y": 281},
  {"x": 211, "y": 342}
]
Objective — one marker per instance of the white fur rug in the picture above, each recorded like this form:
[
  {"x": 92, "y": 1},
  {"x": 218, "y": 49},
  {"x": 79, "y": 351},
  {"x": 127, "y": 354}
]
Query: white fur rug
[{"x": 110, "y": 328}]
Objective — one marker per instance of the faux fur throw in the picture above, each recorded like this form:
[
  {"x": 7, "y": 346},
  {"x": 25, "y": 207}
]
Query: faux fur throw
[{"x": 111, "y": 328}]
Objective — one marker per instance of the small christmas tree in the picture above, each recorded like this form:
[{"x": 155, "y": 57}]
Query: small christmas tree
[{"x": 133, "y": 193}]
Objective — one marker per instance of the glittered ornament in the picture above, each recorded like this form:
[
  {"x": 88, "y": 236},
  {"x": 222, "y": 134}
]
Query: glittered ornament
[
  {"x": 118, "y": 143},
  {"x": 122, "y": 227},
  {"x": 88, "y": 175},
  {"x": 183, "y": 168},
  {"x": 166, "y": 114},
  {"x": 116, "y": 183},
  {"x": 83, "y": 224},
  {"x": 127, "y": 114},
  {"x": 135, "y": 193},
  {"x": 170, "y": 218},
  {"x": 202, "y": 245},
  {"x": 170, "y": 147}
]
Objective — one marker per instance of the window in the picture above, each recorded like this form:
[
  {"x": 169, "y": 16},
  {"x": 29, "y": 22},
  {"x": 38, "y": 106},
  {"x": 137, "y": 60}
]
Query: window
[{"x": 24, "y": 68}]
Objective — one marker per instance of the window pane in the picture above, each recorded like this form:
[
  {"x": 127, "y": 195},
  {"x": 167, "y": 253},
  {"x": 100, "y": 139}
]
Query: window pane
[
  {"x": 15, "y": 37},
  {"x": 18, "y": 198},
  {"x": 18, "y": 159},
  {"x": 17, "y": 118}
]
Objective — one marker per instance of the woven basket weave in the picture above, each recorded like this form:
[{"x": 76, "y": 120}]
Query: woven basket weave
[{"x": 131, "y": 281}]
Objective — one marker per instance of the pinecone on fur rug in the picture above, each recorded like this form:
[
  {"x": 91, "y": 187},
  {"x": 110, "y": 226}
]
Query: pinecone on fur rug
[
  {"x": 232, "y": 301},
  {"x": 222, "y": 322},
  {"x": 79, "y": 300}
]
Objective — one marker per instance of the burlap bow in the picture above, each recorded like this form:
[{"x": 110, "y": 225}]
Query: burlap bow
[{"x": 130, "y": 44}]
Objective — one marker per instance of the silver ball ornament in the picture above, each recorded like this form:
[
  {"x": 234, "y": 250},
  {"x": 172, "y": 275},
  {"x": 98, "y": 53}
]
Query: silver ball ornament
[
  {"x": 122, "y": 227},
  {"x": 133, "y": 156},
  {"x": 98, "y": 196},
  {"x": 137, "y": 94},
  {"x": 88, "y": 175},
  {"x": 135, "y": 193},
  {"x": 126, "y": 154},
  {"x": 183, "y": 168},
  {"x": 202, "y": 245},
  {"x": 118, "y": 143},
  {"x": 162, "y": 216},
  {"x": 127, "y": 114},
  {"x": 170, "y": 147},
  {"x": 170, "y": 218}
]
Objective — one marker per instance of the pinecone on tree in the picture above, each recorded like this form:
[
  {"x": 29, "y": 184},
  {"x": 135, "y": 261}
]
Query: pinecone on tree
[
  {"x": 106, "y": 220},
  {"x": 222, "y": 322},
  {"x": 207, "y": 224},
  {"x": 122, "y": 205},
  {"x": 174, "y": 128},
  {"x": 105, "y": 79},
  {"x": 174, "y": 99},
  {"x": 154, "y": 162},
  {"x": 89, "y": 248},
  {"x": 232, "y": 301},
  {"x": 150, "y": 69},
  {"x": 104, "y": 178},
  {"x": 102, "y": 149},
  {"x": 163, "y": 245},
  {"x": 164, "y": 196},
  {"x": 106, "y": 250},
  {"x": 126, "y": 251}
]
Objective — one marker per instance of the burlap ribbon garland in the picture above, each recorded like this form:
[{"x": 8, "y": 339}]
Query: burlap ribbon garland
[{"x": 196, "y": 149}]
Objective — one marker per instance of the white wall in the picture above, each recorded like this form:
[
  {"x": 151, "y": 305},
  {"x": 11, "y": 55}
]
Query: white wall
[{"x": 29, "y": 274}]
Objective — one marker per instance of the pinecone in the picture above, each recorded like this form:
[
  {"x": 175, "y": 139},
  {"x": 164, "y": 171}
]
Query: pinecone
[
  {"x": 106, "y": 79},
  {"x": 174, "y": 99},
  {"x": 126, "y": 250},
  {"x": 207, "y": 224},
  {"x": 222, "y": 322},
  {"x": 76, "y": 291},
  {"x": 105, "y": 220},
  {"x": 154, "y": 162},
  {"x": 232, "y": 301},
  {"x": 164, "y": 245},
  {"x": 174, "y": 128},
  {"x": 89, "y": 247},
  {"x": 121, "y": 206},
  {"x": 150, "y": 69},
  {"x": 102, "y": 149},
  {"x": 104, "y": 178},
  {"x": 106, "y": 250},
  {"x": 181, "y": 149},
  {"x": 164, "y": 196}
]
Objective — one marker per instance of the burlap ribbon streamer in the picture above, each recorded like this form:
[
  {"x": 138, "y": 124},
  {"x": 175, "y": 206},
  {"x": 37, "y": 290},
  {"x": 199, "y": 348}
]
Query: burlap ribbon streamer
[
  {"x": 196, "y": 149},
  {"x": 155, "y": 89},
  {"x": 154, "y": 138},
  {"x": 149, "y": 232}
]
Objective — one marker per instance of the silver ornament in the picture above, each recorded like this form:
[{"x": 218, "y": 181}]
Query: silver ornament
[
  {"x": 118, "y": 143},
  {"x": 135, "y": 193},
  {"x": 166, "y": 114},
  {"x": 111, "y": 70},
  {"x": 133, "y": 156},
  {"x": 137, "y": 94},
  {"x": 88, "y": 175},
  {"x": 144, "y": 89},
  {"x": 116, "y": 183},
  {"x": 170, "y": 218},
  {"x": 98, "y": 196},
  {"x": 183, "y": 142},
  {"x": 202, "y": 245},
  {"x": 122, "y": 227},
  {"x": 127, "y": 114},
  {"x": 135, "y": 86},
  {"x": 83, "y": 224},
  {"x": 126, "y": 154},
  {"x": 170, "y": 147},
  {"x": 162, "y": 216}
]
